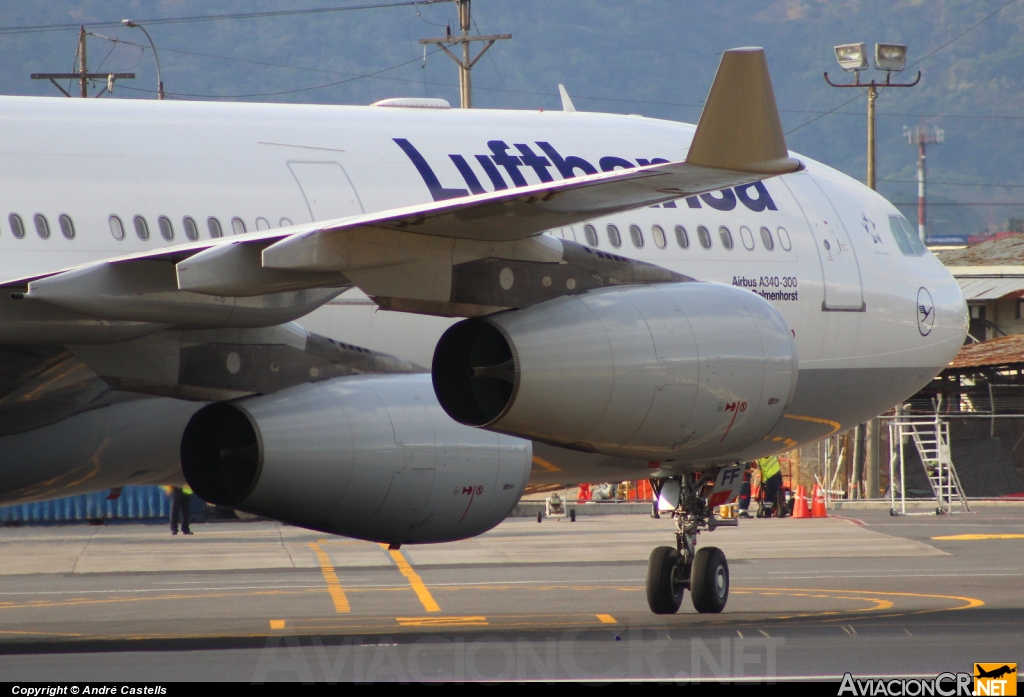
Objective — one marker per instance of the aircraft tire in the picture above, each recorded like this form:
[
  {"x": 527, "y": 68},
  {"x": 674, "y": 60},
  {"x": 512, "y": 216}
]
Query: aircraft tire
[
  {"x": 709, "y": 580},
  {"x": 665, "y": 581}
]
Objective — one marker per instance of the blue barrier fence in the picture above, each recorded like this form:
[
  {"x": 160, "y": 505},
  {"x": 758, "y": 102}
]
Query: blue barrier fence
[{"x": 134, "y": 503}]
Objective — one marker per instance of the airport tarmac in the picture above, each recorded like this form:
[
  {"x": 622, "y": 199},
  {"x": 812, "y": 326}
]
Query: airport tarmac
[{"x": 260, "y": 601}]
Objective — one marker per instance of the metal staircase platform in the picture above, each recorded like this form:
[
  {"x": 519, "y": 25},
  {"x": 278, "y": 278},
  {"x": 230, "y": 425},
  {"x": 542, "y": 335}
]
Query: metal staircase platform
[{"x": 931, "y": 438}]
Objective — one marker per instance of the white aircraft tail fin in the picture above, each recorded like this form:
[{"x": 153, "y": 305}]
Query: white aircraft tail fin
[{"x": 566, "y": 102}]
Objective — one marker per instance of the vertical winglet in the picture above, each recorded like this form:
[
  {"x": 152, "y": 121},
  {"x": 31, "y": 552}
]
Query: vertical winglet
[
  {"x": 739, "y": 128},
  {"x": 566, "y": 102}
]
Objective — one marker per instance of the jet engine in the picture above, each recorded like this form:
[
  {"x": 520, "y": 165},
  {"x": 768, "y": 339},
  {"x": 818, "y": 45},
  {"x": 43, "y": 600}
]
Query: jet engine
[
  {"x": 371, "y": 457},
  {"x": 677, "y": 371}
]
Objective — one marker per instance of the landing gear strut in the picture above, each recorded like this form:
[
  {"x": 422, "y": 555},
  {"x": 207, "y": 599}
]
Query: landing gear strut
[{"x": 705, "y": 571}]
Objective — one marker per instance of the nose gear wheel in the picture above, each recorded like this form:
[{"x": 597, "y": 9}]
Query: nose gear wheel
[
  {"x": 666, "y": 581},
  {"x": 709, "y": 580},
  {"x": 705, "y": 571}
]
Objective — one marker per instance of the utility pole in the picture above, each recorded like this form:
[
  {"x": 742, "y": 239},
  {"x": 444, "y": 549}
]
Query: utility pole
[
  {"x": 82, "y": 63},
  {"x": 82, "y": 74},
  {"x": 871, "y": 458},
  {"x": 872, "y": 97},
  {"x": 464, "y": 39},
  {"x": 922, "y": 136}
]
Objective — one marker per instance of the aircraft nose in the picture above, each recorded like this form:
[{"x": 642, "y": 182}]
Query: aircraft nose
[{"x": 950, "y": 308}]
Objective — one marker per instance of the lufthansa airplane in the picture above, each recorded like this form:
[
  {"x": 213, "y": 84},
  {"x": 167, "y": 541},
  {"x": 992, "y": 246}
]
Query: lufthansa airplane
[{"x": 591, "y": 296}]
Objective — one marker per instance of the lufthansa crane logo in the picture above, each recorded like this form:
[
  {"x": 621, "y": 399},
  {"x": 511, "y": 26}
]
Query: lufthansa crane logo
[{"x": 925, "y": 311}]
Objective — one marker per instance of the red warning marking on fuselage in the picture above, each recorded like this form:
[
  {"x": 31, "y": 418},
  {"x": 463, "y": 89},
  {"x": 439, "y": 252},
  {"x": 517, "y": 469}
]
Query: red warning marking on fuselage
[
  {"x": 735, "y": 408},
  {"x": 472, "y": 492}
]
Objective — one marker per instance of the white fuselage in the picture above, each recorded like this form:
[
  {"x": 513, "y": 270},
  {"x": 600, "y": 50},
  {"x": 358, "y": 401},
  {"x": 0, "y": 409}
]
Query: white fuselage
[{"x": 872, "y": 324}]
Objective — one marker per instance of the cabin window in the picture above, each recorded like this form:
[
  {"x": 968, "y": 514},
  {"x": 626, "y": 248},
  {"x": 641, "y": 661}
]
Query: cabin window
[
  {"x": 658, "y": 233},
  {"x": 637, "y": 236},
  {"x": 590, "y": 232},
  {"x": 17, "y": 226},
  {"x": 262, "y": 223},
  {"x": 286, "y": 222},
  {"x": 682, "y": 239},
  {"x": 166, "y": 229},
  {"x": 747, "y": 237},
  {"x": 141, "y": 227},
  {"x": 704, "y": 236},
  {"x": 214, "y": 225},
  {"x": 613, "y": 236},
  {"x": 238, "y": 226},
  {"x": 67, "y": 226},
  {"x": 42, "y": 226},
  {"x": 726, "y": 236},
  {"x": 116, "y": 227},
  {"x": 766, "y": 239},
  {"x": 784, "y": 240},
  {"x": 191, "y": 229}
]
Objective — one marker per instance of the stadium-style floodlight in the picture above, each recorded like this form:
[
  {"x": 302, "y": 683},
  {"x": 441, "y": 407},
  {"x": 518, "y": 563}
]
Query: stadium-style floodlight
[
  {"x": 890, "y": 56},
  {"x": 851, "y": 57}
]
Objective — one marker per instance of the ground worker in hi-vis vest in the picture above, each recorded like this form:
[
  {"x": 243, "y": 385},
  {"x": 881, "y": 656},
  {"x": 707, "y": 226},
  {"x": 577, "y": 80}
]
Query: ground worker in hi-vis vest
[
  {"x": 771, "y": 486},
  {"x": 181, "y": 508}
]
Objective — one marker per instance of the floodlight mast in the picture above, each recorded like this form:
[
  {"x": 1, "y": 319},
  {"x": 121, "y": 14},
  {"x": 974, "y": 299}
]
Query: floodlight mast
[{"x": 888, "y": 57}]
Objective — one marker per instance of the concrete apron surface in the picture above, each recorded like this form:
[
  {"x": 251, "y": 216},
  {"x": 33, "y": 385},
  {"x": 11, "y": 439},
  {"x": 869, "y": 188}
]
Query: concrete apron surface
[{"x": 270, "y": 545}]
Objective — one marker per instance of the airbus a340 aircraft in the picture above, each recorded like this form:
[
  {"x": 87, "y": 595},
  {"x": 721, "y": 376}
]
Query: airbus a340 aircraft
[{"x": 599, "y": 296}]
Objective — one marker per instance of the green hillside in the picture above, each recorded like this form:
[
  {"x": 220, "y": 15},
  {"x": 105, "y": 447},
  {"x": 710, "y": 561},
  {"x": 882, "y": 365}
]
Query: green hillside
[{"x": 654, "y": 57}]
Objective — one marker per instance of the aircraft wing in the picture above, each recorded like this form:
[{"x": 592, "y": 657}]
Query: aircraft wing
[
  {"x": 738, "y": 140},
  {"x": 420, "y": 258}
]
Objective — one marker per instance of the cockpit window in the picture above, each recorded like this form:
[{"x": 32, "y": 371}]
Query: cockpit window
[
  {"x": 906, "y": 237},
  {"x": 915, "y": 241}
]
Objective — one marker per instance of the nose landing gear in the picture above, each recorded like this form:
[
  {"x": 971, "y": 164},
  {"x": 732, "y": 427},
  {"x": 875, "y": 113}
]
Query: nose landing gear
[{"x": 705, "y": 572}]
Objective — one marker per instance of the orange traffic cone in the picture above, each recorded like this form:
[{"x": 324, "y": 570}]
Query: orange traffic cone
[
  {"x": 818, "y": 505},
  {"x": 800, "y": 509}
]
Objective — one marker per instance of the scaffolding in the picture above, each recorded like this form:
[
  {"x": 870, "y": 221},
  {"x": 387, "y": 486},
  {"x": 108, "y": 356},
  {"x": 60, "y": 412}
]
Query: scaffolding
[{"x": 930, "y": 436}]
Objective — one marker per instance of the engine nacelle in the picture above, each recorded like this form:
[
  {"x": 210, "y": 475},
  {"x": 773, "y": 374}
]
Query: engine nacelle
[
  {"x": 681, "y": 371},
  {"x": 371, "y": 457}
]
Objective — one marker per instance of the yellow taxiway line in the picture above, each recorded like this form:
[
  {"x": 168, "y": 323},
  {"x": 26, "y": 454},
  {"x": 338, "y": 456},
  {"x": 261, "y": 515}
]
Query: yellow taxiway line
[
  {"x": 1000, "y": 536},
  {"x": 435, "y": 621},
  {"x": 429, "y": 604},
  {"x": 333, "y": 583}
]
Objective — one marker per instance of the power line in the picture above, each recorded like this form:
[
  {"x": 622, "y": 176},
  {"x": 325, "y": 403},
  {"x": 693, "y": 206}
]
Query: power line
[
  {"x": 961, "y": 34},
  {"x": 824, "y": 114},
  {"x": 929, "y": 116},
  {"x": 275, "y": 94},
  {"x": 376, "y": 76},
  {"x": 914, "y": 181},
  {"x": 917, "y": 62},
  {"x": 623, "y": 100},
  {"x": 31, "y": 29},
  {"x": 963, "y": 203}
]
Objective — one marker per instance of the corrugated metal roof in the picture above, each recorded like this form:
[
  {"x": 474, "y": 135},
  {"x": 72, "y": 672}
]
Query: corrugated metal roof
[
  {"x": 1008, "y": 251},
  {"x": 1002, "y": 351},
  {"x": 989, "y": 288}
]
